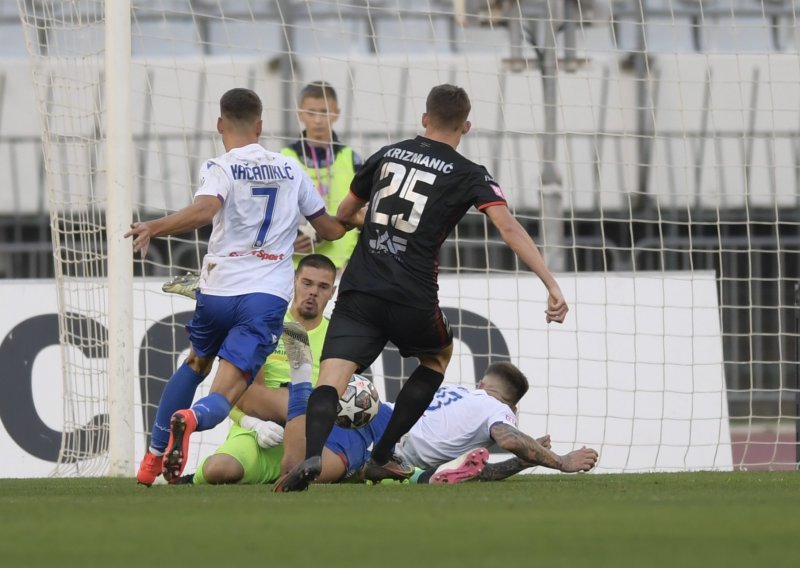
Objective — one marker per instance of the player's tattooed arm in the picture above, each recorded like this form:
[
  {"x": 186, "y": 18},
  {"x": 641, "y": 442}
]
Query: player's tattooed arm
[
  {"x": 532, "y": 452},
  {"x": 502, "y": 470},
  {"x": 524, "y": 447}
]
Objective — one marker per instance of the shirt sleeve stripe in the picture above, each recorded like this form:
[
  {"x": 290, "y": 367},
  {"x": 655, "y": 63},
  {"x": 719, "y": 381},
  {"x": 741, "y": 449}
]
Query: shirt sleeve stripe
[
  {"x": 315, "y": 215},
  {"x": 491, "y": 204}
]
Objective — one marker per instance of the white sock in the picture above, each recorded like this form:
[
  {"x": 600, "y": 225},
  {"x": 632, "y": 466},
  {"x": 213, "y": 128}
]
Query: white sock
[{"x": 301, "y": 374}]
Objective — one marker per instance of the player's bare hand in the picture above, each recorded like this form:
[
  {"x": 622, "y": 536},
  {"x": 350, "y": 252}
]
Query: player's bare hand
[
  {"x": 583, "y": 459},
  {"x": 303, "y": 243},
  {"x": 545, "y": 441},
  {"x": 556, "y": 306},
  {"x": 141, "y": 237}
]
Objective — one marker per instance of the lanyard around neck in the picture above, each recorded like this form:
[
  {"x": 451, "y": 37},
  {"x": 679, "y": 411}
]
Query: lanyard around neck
[{"x": 322, "y": 188}]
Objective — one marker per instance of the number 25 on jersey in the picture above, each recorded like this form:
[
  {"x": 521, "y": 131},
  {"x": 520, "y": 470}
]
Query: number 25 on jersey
[{"x": 405, "y": 181}]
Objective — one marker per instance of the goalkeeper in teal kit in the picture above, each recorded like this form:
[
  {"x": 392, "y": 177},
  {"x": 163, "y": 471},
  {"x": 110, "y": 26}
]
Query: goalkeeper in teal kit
[{"x": 253, "y": 451}]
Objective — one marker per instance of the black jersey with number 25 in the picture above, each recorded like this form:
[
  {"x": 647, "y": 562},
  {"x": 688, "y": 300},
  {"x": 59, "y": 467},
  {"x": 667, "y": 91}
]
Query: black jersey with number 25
[{"x": 418, "y": 190}]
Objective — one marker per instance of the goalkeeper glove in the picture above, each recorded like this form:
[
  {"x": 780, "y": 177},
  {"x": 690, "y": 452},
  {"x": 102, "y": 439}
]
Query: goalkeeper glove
[
  {"x": 268, "y": 433},
  {"x": 309, "y": 231}
]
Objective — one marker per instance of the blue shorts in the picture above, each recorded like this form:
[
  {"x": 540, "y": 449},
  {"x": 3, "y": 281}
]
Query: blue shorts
[
  {"x": 353, "y": 446},
  {"x": 243, "y": 330}
]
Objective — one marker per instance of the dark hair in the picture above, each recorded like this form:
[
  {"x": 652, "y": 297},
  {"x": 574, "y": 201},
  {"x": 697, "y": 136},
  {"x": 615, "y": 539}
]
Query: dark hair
[
  {"x": 316, "y": 261},
  {"x": 512, "y": 377},
  {"x": 318, "y": 90},
  {"x": 240, "y": 105},
  {"x": 448, "y": 106}
]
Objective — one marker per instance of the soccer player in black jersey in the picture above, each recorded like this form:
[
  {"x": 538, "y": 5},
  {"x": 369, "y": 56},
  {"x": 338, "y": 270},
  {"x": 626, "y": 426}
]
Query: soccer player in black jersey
[{"x": 417, "y": 191}]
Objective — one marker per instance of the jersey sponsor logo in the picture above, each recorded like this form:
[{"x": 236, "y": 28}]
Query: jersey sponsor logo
[
  {"x": 419, "y": 158},
  {"x": 386, "y": 243},
  {"x": 263, "y": 172},
  {"x": 263, "y": 255},
  {"x": 497, "y": 190}
]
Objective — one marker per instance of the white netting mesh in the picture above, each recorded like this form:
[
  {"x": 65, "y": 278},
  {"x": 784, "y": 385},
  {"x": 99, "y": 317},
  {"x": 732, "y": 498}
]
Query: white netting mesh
[{"x": 634, "y": 139}]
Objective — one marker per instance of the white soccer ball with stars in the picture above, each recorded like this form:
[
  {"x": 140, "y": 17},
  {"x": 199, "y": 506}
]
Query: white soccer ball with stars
[{"x": 359, "y": 403}]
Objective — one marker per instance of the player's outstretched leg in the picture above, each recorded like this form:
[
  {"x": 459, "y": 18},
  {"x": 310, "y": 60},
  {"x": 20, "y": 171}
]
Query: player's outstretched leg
[
  {"x": 298, "y": 353},
  {"x": 412, "y": 401},
  {"x": 181, "y": 426},
  {"x": 465, "y": 467},
  {"x": 300, "y": 476},
  {"x": 295, "y": 341},
  {"x": 393, "y": 468},
  {"x": 184, "y": 285},
  {"x": 149, "y": 469}
]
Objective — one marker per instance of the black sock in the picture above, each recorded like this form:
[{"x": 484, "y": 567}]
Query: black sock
[
  {"x": 425, "y": 476},
  {"x": 414, "y": 398},
  {"x": 320, "y": 416}
]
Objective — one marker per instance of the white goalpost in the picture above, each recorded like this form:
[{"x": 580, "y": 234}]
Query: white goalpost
[
  {"x": 119, "y": 213},
  {"x": 650, "y": 147}
]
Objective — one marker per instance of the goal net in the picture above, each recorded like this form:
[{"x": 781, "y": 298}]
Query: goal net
[{"x": 650, "y": 147}]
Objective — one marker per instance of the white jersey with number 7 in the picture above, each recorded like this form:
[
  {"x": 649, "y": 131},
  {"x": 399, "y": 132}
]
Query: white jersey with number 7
[{"x": 252, "y": 237}]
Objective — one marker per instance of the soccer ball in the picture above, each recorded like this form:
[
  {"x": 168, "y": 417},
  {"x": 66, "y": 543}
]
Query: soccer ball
[{"x": 359, "y": 403}]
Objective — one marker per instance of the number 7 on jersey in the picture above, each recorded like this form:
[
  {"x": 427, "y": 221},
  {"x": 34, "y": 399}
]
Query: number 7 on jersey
[{"x": 270, "y": 193}]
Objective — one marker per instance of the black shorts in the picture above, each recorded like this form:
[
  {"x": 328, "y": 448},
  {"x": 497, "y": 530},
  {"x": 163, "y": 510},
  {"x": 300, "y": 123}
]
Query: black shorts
[{"x": 362, "y": 324}]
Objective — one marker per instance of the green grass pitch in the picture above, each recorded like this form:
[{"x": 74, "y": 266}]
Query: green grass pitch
[{"x": 682, "y": 519}]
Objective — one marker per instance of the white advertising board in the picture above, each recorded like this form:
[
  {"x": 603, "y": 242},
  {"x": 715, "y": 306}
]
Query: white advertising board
[{"x": 636, "y": 371}]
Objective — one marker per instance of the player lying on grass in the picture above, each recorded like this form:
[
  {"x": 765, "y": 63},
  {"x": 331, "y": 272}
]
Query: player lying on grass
[
  {"x": 460, "y": 419},
  {"x": 447, "y": 445}
]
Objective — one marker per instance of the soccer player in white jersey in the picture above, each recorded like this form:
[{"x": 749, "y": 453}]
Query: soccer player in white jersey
[
  {"x": 460, "y": 420},
  {"x": 251, "y": 196}
]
